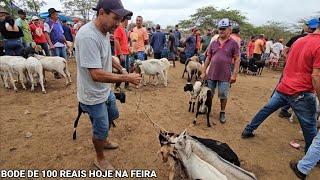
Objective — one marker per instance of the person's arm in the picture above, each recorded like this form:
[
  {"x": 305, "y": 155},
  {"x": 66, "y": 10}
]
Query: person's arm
[
  {"x": 117, "y": 45},
  {"x": 236, "y": 65},
  {"x": 146, "y": 38},
  {"x": 47, "y": 35},
  {"x": 316, "y": 81},
  {"x": 99, "y": 75},
  {"x": 117, "y": 66},
  {"x": 206, "y": 62},
  {"x": 152, "y": 42}
]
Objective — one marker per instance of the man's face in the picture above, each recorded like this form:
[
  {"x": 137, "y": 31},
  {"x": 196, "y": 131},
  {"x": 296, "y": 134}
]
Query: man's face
[
  {"x": 125, "y": 22},
  {"x": 109, "y": 21},
  {"x": 224, "y": 32},
  {"x": 139, "y": 21},
  {"x": 36, "y": 21},
  {"x": 22, "y": 16},
  {"x": 54, "y": 16},
  {"x": 2, "y": 16}
]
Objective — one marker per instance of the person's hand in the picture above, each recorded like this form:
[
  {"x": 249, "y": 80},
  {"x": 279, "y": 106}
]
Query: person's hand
[
  {"x": 203, "y": 76},
  {"x": 134, "y": 78},
  {"x": 233, "y": 79},
  {"x": 122, "y": 58},
  {"x": 124, "y": 71},
  {"x": 51, "y": 46}
]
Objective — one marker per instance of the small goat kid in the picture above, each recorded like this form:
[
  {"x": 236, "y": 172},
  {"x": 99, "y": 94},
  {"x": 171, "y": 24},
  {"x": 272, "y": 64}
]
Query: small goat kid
[{"x": 194, "y": 91}]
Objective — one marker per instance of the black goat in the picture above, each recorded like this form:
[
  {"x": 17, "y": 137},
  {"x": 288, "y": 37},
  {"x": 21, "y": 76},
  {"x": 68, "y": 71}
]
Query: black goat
[{"x": 120, "y": 96}]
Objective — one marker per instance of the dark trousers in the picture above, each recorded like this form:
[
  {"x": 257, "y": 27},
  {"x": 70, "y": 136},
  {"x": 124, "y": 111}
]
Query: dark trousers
[
  {"x": 45, "y": 47},
  {"x": 257, "y": 57}
]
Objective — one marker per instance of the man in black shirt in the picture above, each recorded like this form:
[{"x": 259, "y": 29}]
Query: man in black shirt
[
  {"x": 172, "y": 47},
  {"x": 3, "y": 14}
]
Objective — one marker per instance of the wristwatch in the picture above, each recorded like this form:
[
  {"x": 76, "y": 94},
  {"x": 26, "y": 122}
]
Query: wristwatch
[{"x": 124, "y": 69}]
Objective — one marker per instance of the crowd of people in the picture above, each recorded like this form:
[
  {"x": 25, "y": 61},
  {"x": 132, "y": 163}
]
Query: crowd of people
[
  {"x": 50, "y": 35},
  {"x": 109, "y": 34}
]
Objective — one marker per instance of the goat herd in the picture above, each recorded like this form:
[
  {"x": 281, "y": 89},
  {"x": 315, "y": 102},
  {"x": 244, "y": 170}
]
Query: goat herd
[{"x": 31, "y": 70}]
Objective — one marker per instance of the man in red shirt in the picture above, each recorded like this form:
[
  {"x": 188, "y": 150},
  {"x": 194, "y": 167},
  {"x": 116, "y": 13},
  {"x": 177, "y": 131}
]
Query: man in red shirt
[
  {"x": 122, "y": 46},
  {"x": 301, "y": 79},
  {"x": 38, "y": 36}
]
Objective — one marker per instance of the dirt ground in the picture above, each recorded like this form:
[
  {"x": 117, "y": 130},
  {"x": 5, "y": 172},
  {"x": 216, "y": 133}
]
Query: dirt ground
[{"x": 52, "y": 115}]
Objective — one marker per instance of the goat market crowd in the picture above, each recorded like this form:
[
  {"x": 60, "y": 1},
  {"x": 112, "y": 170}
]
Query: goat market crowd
[{"x": 114, "y": 57}]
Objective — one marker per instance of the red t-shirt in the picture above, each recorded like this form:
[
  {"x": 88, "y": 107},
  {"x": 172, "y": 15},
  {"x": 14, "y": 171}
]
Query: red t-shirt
[
  {"x": 121, "y": 35},
  {"x": 37, "y": 33},
  {"x": 304, "y": 55}
]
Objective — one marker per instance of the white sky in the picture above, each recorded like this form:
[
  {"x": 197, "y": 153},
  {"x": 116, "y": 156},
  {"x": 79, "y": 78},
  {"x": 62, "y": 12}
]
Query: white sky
[{"x": 169, "y": 12}]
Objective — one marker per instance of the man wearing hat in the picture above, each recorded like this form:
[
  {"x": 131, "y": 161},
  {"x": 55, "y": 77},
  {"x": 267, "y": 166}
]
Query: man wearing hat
[
  {"x": 94, "y": 74},
  {"x": 24, "y": 25},
  {"x": 54, "y": 34},
  {"x": 220, "y": 55},
  {"x": 37, "y": 31},
  {"x": 3, "y": 14}
]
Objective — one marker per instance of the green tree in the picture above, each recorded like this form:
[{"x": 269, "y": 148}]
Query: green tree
[{"x": 80, "y": 8}]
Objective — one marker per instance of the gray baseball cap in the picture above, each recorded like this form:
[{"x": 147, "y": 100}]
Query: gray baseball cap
[{"x": 114, "y": 6}]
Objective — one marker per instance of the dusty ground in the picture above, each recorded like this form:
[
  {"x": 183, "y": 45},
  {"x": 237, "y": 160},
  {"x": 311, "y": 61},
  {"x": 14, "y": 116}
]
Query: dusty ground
[{"x": 52, "y": 115}]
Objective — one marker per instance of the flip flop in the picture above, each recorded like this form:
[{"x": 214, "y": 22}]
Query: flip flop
[
  {"x": 96, "y": 164},
  {"x": 294, "y": 144}
]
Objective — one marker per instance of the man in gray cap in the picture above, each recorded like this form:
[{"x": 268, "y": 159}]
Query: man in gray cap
[
  {"x": 3, "y": 14},
  {"x": 220, "y": 56},
  {"x": 94, "y": 74}
]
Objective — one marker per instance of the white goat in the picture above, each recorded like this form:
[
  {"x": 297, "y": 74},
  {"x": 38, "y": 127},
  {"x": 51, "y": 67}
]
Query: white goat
[
  {"x": 196, "y": 167},
  {"x": 152, "y": 67},
  {"x": 5, "y": 71},
  {"x": 55, "y": 64},
  {"x": 18, "y": 66},
  {"x": 34, "y": 67}
]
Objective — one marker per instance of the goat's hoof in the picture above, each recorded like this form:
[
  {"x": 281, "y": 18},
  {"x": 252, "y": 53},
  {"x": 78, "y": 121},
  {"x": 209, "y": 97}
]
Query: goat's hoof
[
  {"x": 15, "y": 90},
  {"x": 44, "y": 92},
  {"x": 194, "y": 122},
  {"x": 209, "y": 125}
]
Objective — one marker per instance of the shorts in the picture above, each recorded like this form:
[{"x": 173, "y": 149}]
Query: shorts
[
  {"x": 223, "y": 88},
  {"x": 101, "y": 115}
]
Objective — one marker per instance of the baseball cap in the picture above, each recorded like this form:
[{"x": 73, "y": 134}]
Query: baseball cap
[
  {"x": 22, "y": 12},
  {"x": 52, "y": 10},
  {"x": 224, "y": 23},
  {"x": 34, "y": 18},
  {"x": 313, "y": 23},
  {"x": 114, "y": 6}
]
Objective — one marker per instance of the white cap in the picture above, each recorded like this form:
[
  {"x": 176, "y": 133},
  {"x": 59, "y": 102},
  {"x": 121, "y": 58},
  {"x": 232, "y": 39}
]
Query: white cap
[
  {"x": 34, "y": 18},
  {"x": 224, "y": 23}
]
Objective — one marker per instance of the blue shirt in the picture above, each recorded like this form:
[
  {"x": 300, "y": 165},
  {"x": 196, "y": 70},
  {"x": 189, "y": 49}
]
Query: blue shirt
[
  {"x": 177, "y": 37},
  {"x": 191, "y": 43},
  {"x": 158, "y": 40},
  {"x": 67, "y": 33}
]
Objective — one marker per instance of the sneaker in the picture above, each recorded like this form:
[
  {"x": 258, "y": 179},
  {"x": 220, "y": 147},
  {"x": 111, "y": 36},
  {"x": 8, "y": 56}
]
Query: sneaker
[
  {"x": 246, "y": 135},
  {"x": 284, "y": 114},
  {"x": 294, "y": 167},
  {"x": 110, "y": 145},
  {"x": 222, "y": 117}
]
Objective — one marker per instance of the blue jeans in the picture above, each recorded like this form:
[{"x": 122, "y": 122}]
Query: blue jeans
[
  {"x": 27, "y": 44},
  {"x": 303, "y": 105},
  {"x": 59, "y": 51},
  {"x": 101, "y": 115},
  {"x": 189, "y": 54},
  {"x": 141, "y": 55},
  {"x": 12, "y": 47},
  {"x": 223, "y": 88},
  {"x": 312, "y": 157}
]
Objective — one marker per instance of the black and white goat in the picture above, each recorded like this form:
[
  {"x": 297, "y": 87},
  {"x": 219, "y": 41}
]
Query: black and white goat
[
  {"x": 194, "y": 91},
  {"x": 204, "y": 103}
]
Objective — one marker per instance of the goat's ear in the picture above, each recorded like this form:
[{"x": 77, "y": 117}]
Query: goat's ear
[{"x": 183, "y": 133}]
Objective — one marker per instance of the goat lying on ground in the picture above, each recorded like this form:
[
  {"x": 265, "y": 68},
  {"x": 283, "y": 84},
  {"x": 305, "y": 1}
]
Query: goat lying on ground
[
  {"x": 203, "y": 163},
  {"x": 121, "y": 96},
  {"x": 204, "y": 103},
  {"x": 194, "y": 91}
]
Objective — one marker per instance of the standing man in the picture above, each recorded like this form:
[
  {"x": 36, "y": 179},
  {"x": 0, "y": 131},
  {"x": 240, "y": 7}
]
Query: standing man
[
  {"x": 157, "y": 42},
  {"x": 250, "y": 47},
  {"x": 221, "y": 53},
  {"x": 38, "y": 35},
  {"x": 258, "y": 48},
  {"x": 122, "y": 46},
  {"x": 268, "y": 49},
  {"x": 27, "y": 40},
  {"x": 191, "y": 44},
  {"x": 172, "y": 47},
  {"x": 206, "y": 40},
  {"x": 3, "y": 14},
  {"x": 300, "y": 81},
  {"x": 94, "y": 73},
  {"x": 142, "y": 38},
  {"x": 177, "y": 36},
  {"x": 55, "y": 35}
]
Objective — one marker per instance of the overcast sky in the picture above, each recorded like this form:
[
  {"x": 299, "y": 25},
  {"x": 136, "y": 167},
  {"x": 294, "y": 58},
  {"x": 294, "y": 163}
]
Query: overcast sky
[{"x": 170, "y": 12}]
